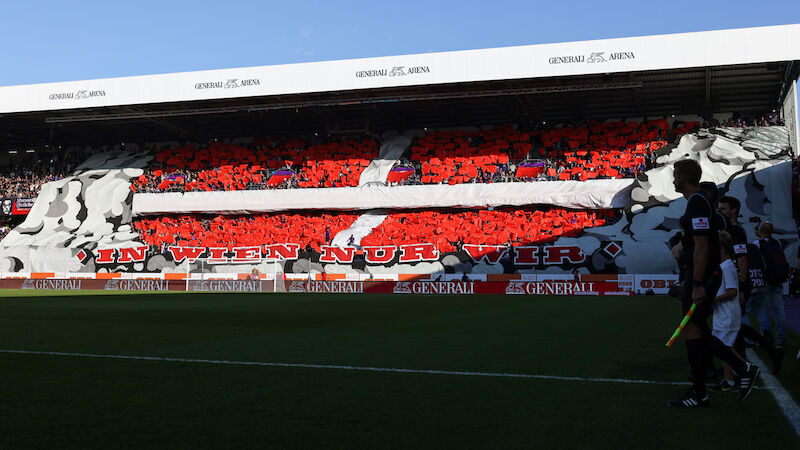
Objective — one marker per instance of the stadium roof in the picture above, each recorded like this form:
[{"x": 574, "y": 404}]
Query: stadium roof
[{"x": 746, "y": 70}]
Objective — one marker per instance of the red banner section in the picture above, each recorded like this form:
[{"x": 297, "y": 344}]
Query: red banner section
[{"x": 548, "y": 287}]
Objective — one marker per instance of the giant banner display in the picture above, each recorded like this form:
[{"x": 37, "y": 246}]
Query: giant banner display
[
  {"x": 83, "y": 224},
  {"x": 590, "y": 194},
  {"x": 790, "y": 117}
]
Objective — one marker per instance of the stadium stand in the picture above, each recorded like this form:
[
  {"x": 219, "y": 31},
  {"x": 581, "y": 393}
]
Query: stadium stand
[
  {"x": 609, "y": 150},
  {"x": 25, "y": 174},
  {"x": 449, "y": 229},
  {"x": 266, "y": 164},
  {"x": 615, "y": 149},
  {"x": 446, "y": 228},
  {"x": 309, "y": 230},
  {"x": 5, "y": 227}
]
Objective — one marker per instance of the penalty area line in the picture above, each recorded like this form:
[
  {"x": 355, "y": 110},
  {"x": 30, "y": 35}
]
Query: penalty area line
[{"x": 346, "y": 367}]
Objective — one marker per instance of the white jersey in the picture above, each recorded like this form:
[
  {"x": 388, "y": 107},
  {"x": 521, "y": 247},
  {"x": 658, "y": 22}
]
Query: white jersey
[{"x": 728, "y": 314}]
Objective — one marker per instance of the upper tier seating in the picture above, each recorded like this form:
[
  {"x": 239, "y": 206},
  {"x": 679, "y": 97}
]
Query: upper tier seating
[
  {"x": 25, "y": 173},
  {"x": 610, "y": 150},
  {"x": 268, "y": 163}
]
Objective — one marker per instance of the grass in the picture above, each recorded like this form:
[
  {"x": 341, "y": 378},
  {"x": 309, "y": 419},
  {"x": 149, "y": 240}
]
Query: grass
[{"x": 59, "y": 401}]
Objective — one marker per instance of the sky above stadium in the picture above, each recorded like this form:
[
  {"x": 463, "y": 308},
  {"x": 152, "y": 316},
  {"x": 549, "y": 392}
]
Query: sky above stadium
[{"x": 49, "y": 41}]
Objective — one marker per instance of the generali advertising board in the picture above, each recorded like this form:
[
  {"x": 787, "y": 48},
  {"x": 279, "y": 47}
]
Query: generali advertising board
[{"x": 532, "y": 288}]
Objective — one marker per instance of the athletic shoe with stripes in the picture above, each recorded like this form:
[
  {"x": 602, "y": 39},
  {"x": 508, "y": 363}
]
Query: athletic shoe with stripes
[
  {"x": 691, "y": 400},
  {"x": 747, "y": 381},
  {"x": 723, "y": 386}
]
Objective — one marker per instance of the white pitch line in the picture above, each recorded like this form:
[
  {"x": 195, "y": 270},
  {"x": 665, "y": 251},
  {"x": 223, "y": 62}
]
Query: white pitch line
[
  {"x": 344, "y": 367},
  {"x": 785, "y": 401}
]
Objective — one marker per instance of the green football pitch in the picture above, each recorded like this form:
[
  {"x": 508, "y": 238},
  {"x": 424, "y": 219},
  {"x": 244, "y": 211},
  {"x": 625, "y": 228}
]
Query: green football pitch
[{"x": 369, "y": 371}]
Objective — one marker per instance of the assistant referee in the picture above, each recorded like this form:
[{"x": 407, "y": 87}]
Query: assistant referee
[{"x": 699, "y": 283}]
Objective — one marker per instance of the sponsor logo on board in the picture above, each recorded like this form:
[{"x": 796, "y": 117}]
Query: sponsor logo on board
[
  {"x": 395, "y": 71},
  {"x": 591, "y": 58},
  {"x": 78, "y": 95},
  {"x": 230, "y": 83},
  {"x": 137, "y": 285},
  {"x": 52, "y": 284}
]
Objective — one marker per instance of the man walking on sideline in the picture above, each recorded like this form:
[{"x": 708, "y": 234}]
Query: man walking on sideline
[
  {"x": 771, "y": 293},
  {"x": 699, "y": 284},
  {"x": 751, "y": 276}
]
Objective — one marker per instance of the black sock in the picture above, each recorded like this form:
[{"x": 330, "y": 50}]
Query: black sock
[
  {"x": 695, "y": 348},
  {"x": 709, "y": 364},
  {"x": 723, "y": 352},
  {"x": 739, "y": 344},
  {"x": 750, "y": 333}
]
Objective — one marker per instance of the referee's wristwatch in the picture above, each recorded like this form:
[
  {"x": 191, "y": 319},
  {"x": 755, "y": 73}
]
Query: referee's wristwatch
[{"x": 697, "y": 283}]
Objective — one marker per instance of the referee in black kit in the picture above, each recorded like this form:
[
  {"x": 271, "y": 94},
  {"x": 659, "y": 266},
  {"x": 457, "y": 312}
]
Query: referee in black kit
[{"x": 699, "y": 283}]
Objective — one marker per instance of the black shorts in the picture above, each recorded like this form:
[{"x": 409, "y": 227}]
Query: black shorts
[{"x": 704, "y": 311}]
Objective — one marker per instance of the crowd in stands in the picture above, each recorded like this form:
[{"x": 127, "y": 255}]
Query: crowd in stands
[
  {"x": 309, "y": 230},
  {"x": 447, "y": 229},
  {"x": 502, "y": 154},
  {"x": 507, "y": 226},
  {"x": 740, "y": 121},
  {"x": 266, "y": 164},
  {"x": 25, "y": 173},
  {"x": 5, "y": 227},
  {"x": 24, "y": 183}
]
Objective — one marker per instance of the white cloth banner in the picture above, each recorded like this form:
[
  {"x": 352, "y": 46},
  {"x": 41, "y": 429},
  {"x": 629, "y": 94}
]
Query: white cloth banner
[
  {"x": 592, "y": 194},
  {"x": 790, "y": 118}
]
